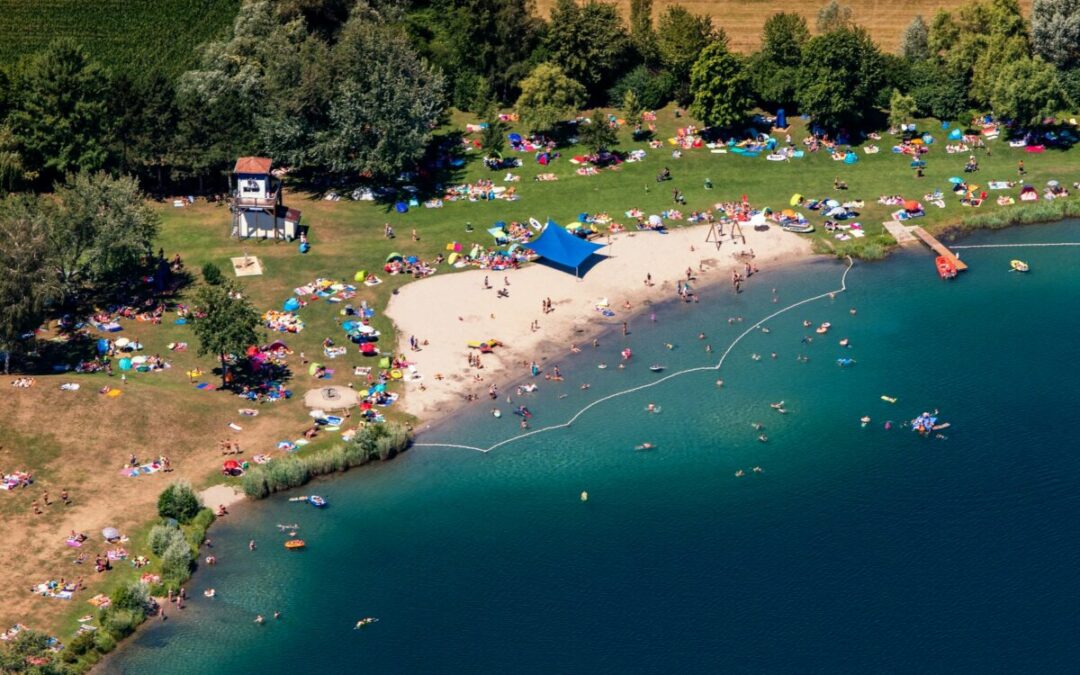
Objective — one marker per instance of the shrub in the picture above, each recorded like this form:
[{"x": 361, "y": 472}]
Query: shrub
[
  {"x": 212, "y": 275},
  {"x": 104, "y": 643},
  {"x": 133, "y": 596},
  {"x": 120, "y": 623},
  {"x": 653, "y": 89},
  {"x": 176, "y": 560},
  {"x": 179, "y": 501},
  {"x": 78, "y": 646},
  {"x": 161, "y": 536},
  {"x": 254, "y": 483}
]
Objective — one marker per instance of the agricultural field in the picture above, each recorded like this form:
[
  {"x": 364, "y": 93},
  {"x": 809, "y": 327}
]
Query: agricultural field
[
  {"x": 133, "y": 35},
  {"x": 743, "y": 19}
]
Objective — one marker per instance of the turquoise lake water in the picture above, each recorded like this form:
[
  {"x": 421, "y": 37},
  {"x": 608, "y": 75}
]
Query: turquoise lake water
[{"x": 855, "y": 549}]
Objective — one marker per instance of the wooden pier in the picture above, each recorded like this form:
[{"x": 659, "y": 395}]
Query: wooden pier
[{"x": 939, "y": 248}]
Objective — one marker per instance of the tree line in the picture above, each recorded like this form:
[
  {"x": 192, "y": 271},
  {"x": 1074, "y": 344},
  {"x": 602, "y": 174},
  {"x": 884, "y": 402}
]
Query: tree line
[{"x": 357, "y": 88}]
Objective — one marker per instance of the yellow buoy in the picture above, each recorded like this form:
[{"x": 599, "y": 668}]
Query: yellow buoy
[{"x": 584, "y": 496}]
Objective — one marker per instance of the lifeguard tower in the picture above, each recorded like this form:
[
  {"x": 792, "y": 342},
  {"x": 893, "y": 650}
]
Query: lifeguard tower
[{"x": 256, "y": 205}]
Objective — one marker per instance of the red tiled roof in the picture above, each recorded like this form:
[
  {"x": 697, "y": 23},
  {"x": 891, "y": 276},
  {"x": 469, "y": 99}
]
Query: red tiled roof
[{"x": 253, "y": 165}]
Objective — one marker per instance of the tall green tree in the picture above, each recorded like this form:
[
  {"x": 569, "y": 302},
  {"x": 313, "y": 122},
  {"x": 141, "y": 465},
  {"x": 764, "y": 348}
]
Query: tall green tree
[
  {"x": 833, "y": 16},
  {"x": 720, "y": 87},
  {"x": 631, "y": 107},
  {"x": 681, "y": 37},
  {"x": 839, "y": 78},
  {"x": 493, "y": 39},
  {"x": 589, "y": 42},
  {"x": 915, "y": 43},
  {"x": 1027, "y": 91},
  {"x": 548, "y": 96},
  {"x": 386, "y": 102},
  {"x": 642, "y": 34},
  {"x": 1055, "y": 31},
  {"x": 24, "y": 291},
  {"x": 101, "y": 231},
  {"x": 229, "y": 324},
  {"x": 773, "y": 68},
  {"x": 60, "y": 114},
  {"x": 597, "y": 135}
]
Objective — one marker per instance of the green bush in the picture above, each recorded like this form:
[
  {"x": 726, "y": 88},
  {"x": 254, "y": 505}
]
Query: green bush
[
  {"x": 79, "y": 645},
  {"x": 104, "y": 642},
  {"x": 120, "y": 623},
  {"x": 653, "y": 89},
  {"x": 179, "y": 502},
  {"x": 212, "y": 275},
  {"x": 176, "y": 560},
  {"x": 254, "y": 483},
  {"x": 133, "y": 596},
  {"x": 161, "y": 536},
  {"x": 199, "y": 525}
]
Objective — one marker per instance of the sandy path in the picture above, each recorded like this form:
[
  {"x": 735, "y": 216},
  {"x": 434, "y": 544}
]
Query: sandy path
[{"x": 450, "y": 311}]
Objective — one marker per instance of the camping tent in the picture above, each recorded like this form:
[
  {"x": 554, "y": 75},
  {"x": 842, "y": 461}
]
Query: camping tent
[
  {"x": 563, "y": 248},
  {"x": 110, "y": 533}
]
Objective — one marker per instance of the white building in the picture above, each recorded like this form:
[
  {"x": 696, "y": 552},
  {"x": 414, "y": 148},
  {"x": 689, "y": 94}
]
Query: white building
[{"x": 256, "y": 205}]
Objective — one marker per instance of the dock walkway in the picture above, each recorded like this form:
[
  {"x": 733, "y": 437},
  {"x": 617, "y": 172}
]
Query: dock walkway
[
  {"x": 939, "y": 248},
  {"x": 900, "y": 232}
]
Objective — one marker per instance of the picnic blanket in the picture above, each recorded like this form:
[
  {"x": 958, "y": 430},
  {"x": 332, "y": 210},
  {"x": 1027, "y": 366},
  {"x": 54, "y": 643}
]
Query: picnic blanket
[{"x": 133, "y": 472}]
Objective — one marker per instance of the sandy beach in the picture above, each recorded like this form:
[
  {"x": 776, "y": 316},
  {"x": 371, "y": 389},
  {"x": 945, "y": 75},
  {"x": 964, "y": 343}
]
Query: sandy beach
[{"x": 449, "y": 311}]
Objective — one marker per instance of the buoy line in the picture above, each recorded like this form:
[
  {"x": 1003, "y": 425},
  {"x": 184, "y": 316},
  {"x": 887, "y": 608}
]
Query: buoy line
[
  {"x": 1035, "y": 245},
  {"x": 653, "y": 383}
]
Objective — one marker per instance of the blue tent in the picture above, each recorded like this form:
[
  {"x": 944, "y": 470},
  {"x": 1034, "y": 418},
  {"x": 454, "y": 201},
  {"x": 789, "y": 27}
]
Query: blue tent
[
  {"x": 563, "y": 248},
  {"x": 781, "y": 119}
]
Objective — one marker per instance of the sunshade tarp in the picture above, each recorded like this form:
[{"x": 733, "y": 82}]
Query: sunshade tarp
[{"x": 561, "y": 247}]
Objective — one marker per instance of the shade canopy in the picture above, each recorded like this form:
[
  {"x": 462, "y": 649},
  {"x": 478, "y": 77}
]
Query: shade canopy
[{"x": 561, "y": 247}]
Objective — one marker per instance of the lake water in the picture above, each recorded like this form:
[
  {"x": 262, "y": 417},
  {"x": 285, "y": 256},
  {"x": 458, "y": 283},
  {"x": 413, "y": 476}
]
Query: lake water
[{"x": 855, "y": 549}]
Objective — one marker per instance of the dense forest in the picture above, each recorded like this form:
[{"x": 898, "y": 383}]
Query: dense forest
[{"x": 352, "y": 90}]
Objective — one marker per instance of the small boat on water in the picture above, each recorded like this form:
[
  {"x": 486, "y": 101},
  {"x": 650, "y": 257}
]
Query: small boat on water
[
  {"x": 316, "y": 501},
  {"x": 366, "y": 621},
  {"x": 888, "y": 399},
  {"x": 824, "y": 328},
  {"x": 945, "y": 267},
  {"x": 656, "y": 368},
  {"x": 1019, "y": 266},
  {"x": 295, "y": 544}
]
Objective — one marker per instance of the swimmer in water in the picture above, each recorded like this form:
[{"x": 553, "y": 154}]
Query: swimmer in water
[
  {"x": 765, "y": 330},
  {"x": 757, "y": 469},
  {"x": 806, "y": 323},
  {"x": 259, "y": 619},
  {"x": 758, "y": 426},
  {"x": 719, "y": 383},
  {"x": 763, "y": 438},
  {"x": 756, "y": 357},
  {"x": 776, "y": 406},
  {"x": 584, "y": 386},
  {"x": 645, "y": 446},
  {"x": 740, "y": 473},
  {"x": 852, "y": 311},
  {"x": 651, "y": 408},
  {"x": 701, "y": 336}
]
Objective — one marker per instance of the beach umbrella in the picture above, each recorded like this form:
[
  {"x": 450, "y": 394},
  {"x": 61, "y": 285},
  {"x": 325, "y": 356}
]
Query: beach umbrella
[
  {"x": 514, "y": 138},
  {"x": 911, "y": 205},
  {"x": 1053, "y": 183},
  {"x": 291, "y": 305},
  {"x": 956, "y": 180},
  {"x": 394, "y": 256},
  {"x": 366, "y": 329},
  {"x": 231, "y": 465},
  {"x": 110, "y": 533},
  {"x": 313, "y": 367},
  {"x": 122, "y": 342},
  {"x": 832, "y": 203},
  {"x": 401, "y": 207},
  {"x": 348, "y": 326},
  {"x": 365, "y": 405},
  {"x": 655, "y": 220},
  {"x": 368, "y": 349},
  {"x": 379, "y": 388},
  {"x": 360, "y": 275},
  {"x": 795, "y": 199},
  {"x": 102, "y": 346},
  {"x": 125, "y": 364}
]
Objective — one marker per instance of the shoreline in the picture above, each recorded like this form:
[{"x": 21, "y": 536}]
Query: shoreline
[{"x": 439, "y": 314}]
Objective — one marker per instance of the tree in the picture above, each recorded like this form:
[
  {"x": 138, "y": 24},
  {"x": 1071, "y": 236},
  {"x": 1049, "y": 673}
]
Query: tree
[
  {"x": 493, "y": 136},
  {"x": 24, "y": 290},
  {"x": 915, "y": 44},
  {"x": 833, "y": 16},
  {"x": 720, "y": 86},
  {"x": 548, "y": 96},
  {"x": 101, "y": 233},
  {"x": 587, "y": 41},
  {"x": 493, "y": 39},
  {"x": 642, "y": 34},
  {"x": 179, "y": 502},
  {"x": 839, "y": 78},
  {"x": 211, "y": 274},
  {"x": 681, "y": 37},
  {"x": 631, "y": 108},
  {"x": 597, "y": 134},
  {"x": 944, "y": 34},
  {"x": 385, "y": 105},
  {"x": 229, "y": 324},
  {"x": 901, "y": 108},
  {"x": 1027, "y": 91},
  {"x": 783, "y": 38},
  {"x": 939, "y": 91},
  {"x": 773, "y": 68},
  {"x": 1055, "y": 31},
  {"x": 60, "y": 115}
]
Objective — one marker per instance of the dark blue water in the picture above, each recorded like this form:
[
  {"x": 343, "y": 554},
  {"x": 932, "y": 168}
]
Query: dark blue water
[{"x": 855, "y": 549}]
